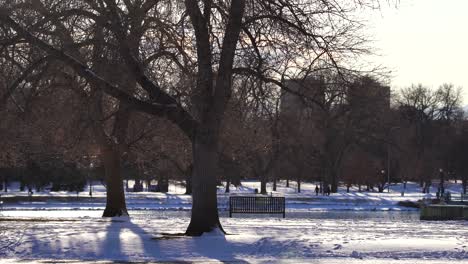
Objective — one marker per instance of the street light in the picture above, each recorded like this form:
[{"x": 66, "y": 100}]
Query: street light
[
  {"x": 91, "y": 165},
  {"x": 383, "y": 174}
]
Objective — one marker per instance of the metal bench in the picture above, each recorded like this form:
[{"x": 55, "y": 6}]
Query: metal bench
[
  {"x": 455, "y": 197},
  {"x": 257, "y": 205}
]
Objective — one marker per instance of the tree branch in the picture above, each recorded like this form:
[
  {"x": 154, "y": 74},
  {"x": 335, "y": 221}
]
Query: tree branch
[
  {"x": 20, "y": 79},
  {"x": 173, "y": 112}
]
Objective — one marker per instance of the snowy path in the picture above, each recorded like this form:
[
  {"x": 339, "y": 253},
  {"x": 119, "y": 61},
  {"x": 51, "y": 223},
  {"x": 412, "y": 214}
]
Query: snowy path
[{"x": 255, "y": 240}]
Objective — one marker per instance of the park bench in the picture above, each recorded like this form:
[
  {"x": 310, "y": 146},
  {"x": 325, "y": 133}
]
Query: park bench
[
  {"x": 455, "y": 198},
  {"x": 257, "y": 205}
]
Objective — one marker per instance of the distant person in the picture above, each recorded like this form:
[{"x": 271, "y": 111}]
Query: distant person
[
  {"x": 316, "y": 190},
  {"x": 328, "y": 190}
]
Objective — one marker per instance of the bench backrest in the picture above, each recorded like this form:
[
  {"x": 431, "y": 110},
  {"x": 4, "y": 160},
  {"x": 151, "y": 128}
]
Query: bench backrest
[{"x": 456, "y": 197}]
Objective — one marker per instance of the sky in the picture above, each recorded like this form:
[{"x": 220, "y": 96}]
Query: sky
[{"x": 423, "y": 41}]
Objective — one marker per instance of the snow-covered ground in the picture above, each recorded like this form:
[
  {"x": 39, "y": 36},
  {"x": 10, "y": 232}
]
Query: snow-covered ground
[
  {"x": 176, "y": 200},
  {"x": 342, "y": 228},
  {"x": 375, "y": 239}
]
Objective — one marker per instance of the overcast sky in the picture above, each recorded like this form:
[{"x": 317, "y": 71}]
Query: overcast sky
[{"x": 424, "y": 41}]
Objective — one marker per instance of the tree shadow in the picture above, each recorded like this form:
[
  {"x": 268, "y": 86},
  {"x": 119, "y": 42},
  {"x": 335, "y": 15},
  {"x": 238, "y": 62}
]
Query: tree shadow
[
  {"x": 127, "y": 241},
  {"x": 133, "y": 240},
  {"x": 168, "y": 248},
  {"x": 211, "y": 247}
]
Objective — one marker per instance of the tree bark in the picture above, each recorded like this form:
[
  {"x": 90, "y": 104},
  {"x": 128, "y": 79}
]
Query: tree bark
[
  {"x": 204, "y": 216},
  {"x": 188, "y": 182},
  {"x": 115, "y": 199},
  {"x": 333, "y": 181},
  {"x": 263, "y": 184},
  {"x": 465, "y": 185}
]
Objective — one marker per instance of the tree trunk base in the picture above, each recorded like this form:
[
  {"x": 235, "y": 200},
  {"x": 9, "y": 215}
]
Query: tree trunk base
[
  {"x": 199, "y": 229},
  {"x": 115, "y": 212}
]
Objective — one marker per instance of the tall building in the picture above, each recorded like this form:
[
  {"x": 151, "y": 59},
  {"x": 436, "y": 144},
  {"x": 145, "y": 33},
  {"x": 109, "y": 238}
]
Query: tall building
[
  {"x": 369, "y": 92},
  {"x": 301, "y": 111},
  {"x": 302, "y": 97},
  {"x": 314, "y": 131}
]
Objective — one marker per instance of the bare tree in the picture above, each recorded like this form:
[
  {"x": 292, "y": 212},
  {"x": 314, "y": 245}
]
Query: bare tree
[{"x": 261, "y": 39}]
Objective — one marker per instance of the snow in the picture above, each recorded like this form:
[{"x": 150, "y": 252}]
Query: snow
[
  {"x": 342, "y": 228},
  {"x": 175, "y": 199},
  {"x": 141, "y": 238}
]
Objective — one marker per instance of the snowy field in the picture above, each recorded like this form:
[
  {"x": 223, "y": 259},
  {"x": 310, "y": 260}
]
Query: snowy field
[
  {"x": 375, "y": 238},
  {"x": 176, "y": 200},
  {"x": 343, "y": 228}
]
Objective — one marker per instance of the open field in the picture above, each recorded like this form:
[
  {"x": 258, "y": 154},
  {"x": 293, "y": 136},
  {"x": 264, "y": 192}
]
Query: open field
[
  {"x": 367, "y": 227},
  {"x": 371, "y": 236}
]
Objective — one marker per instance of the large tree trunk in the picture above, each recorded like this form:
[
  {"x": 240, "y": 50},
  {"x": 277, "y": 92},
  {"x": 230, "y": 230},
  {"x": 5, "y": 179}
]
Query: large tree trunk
[
  {"x": 263, "y": 184},
  {"x": 115, "y": 202},
  {"x": 334, "y": 182},
  {"x": 205, "y": 216},
  {"x": 188, "y": 183},
  {"x": 111, "y": 157},
  {"x": 465, "y": 185}
]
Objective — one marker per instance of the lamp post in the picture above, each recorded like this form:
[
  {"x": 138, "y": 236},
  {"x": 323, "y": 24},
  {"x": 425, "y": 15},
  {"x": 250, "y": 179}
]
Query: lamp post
[
  {"x": 388, "y": 167},
  {"x": 91, "y": 165}
]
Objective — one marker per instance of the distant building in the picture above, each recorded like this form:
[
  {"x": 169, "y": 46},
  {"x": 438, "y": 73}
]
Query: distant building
[
  {"x": 369, "y": 92},
  {"x": 301, "y": 112},
  {"x": 304, "y": 113},
  {"x": 303, "y": 98}
]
